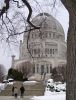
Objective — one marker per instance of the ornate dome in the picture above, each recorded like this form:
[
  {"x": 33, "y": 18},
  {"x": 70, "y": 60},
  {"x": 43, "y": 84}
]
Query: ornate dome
[{"x": 48, "y": 21}]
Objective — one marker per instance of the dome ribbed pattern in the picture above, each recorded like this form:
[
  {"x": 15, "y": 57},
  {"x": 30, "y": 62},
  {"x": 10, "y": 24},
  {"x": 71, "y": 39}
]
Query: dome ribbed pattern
[{"x": 48, "y": 21}]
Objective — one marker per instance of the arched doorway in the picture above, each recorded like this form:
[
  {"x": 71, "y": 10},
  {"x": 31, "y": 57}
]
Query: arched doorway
[{"x": 42, "y": 69}]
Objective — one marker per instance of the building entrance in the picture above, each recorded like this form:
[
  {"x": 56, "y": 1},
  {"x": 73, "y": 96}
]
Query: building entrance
[{"x": 42, "y": 69}]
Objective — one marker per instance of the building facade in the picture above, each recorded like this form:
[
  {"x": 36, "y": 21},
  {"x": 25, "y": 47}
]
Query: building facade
[{"x": 45, "y": 47}]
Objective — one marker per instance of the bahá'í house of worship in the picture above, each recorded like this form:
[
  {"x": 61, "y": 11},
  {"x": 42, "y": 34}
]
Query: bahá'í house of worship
[{"x": 46, "y": 46}]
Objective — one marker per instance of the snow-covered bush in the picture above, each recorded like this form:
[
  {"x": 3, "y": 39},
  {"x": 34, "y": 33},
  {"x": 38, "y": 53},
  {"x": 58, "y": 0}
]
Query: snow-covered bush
[
  {"x": 2, "y": 86},
  {"x": 55, "y": 86}
]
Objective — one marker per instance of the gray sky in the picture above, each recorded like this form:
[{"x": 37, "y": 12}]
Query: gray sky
[{"x": 60, "y": 13}]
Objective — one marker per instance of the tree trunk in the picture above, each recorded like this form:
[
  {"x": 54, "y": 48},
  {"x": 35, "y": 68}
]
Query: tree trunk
[
  {"x": 71, "y": 59},
  {"x": 71, "y": 52}
]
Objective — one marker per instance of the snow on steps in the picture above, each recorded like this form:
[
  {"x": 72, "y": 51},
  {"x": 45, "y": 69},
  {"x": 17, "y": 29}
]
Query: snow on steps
[{"x": 30, "y": 90}]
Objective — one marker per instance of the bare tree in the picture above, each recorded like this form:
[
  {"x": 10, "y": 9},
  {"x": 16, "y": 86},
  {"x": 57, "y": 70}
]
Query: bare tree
[
  {"x": 2, "y": 73},
  {"x": 71, "y": 50},
  {"x": 62, "y": 72},
  {"x": 11, "y": 29},
  {"x": 4, "y": 10},
  {"x": 26, "y": 68}
]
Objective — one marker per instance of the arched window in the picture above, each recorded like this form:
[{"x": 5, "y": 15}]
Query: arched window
[
  {"x": 39, "y": 55},
  {"x": 46, "y": 35},
  {"x": 50, "y": 68},
  {"x": 37, "y": 68},
  {"x": 38, "y": 51},
  {"x": 53, "y": 35},
  {"x": 32, "y": 35},
  {"x": 56, "y": 51},
  {"x": 49, "y": 34},
  {"x": 47, "y": 70},
  {"x": 53, "y": 51},
  {"x": 50, "y": 51},
  {"x": 46, "y": 50},
  {"x": 34, "y": 51},
  {"x": 42, "y": 69}
]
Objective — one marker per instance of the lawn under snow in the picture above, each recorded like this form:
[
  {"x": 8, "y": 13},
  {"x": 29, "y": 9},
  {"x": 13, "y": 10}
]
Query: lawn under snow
[
  {"x": 61, "y": 96},
  {"x": 48, "y": 95},
  {"x": 51, "y": 96}
]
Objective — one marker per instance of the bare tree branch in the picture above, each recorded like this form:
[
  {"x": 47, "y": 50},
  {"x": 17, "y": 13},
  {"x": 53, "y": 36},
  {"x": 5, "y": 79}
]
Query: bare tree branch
[
  {"x": 30, "y": 13},
  {"x": 5, "y": 8}
]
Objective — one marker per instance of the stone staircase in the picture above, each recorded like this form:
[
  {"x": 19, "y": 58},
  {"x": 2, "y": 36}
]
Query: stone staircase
[
  {"x": 35, "y": 90},
  {"x": 30, "y": 90}
]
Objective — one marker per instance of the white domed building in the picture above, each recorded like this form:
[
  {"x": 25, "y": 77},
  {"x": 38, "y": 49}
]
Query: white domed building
[{"x": 46, "y": 46}]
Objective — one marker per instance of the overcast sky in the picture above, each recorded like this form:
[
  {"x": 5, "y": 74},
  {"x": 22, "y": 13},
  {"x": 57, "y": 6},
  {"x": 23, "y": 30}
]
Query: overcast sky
[{"x": 60, "y": 13}]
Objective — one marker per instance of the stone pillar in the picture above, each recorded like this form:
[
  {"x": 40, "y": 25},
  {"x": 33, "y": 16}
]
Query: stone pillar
[
  {"x": 45, "y": 68},
  {"x": 20, "y": 49},
  {"x": 13, "y": 59},
  {"x": 49, "y": 68},
  {"x": 39, "y": 69}
]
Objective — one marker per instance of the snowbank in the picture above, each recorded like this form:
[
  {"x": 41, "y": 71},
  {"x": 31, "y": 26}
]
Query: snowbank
[
  {"x": 2, "y": 86},
  {"x": 29, "y": 82},
  {"x": 53, "y": 91},
  {"x": 50, "y": 96}
]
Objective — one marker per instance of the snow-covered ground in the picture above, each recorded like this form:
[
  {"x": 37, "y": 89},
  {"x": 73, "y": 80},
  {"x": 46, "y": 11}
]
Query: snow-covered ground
[
  {"x": 2, "y": 86},
  {"x": 29, "y": 82},
  {"x": 51, "y": 96},
  {"x": 53, "y": 91}
]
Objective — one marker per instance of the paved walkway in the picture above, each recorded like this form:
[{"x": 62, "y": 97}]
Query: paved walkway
[{"x": 12, "y": 98}]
